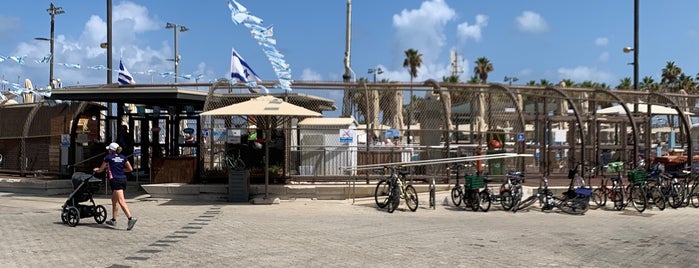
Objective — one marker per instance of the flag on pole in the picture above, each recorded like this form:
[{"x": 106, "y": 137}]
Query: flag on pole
[
  {"x": 241, "y": 71},
  {"x": 125, "y": 78}
]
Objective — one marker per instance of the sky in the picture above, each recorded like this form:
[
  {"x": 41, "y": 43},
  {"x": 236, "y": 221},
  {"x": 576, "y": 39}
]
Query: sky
[{"x": 527, "y": 39}]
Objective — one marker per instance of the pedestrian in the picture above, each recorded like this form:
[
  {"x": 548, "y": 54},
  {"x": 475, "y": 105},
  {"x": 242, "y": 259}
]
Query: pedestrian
[{"x": 116, "y": 166}]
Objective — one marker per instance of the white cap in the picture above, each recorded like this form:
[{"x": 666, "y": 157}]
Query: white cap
[{"x": 113, "y": 146}]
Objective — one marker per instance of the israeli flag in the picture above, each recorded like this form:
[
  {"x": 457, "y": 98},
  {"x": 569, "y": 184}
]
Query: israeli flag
[
  {"x": 125, "y": 78},
  {"x": 241, "y": 71}
]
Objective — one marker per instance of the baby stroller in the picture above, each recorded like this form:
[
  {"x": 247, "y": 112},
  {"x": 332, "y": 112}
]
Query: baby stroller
[{"x": 84, "y": 186}]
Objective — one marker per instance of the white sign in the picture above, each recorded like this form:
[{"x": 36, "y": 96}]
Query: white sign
[
  {"x": 234, "y": 136},
  {"x": 560, "y": 136},
  {"x": 347, "y": 135}
]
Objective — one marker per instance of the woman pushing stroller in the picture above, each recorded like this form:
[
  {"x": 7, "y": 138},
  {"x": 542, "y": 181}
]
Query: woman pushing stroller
[{"x": 117, "y": 165}]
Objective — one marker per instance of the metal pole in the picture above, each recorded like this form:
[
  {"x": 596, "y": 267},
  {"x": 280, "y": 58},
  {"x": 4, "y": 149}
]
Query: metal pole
[
  {"x": 635, "y": 52},
  {"x": 52, "y": 11},
  {"x": 176, "y": 57}
]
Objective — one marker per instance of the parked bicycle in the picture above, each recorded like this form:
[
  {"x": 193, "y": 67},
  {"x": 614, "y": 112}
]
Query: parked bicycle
[
  {"x": 512, "y": 191},
  {"x": 615, "y": 193},
  {"x": 233, "y": 160},
  {"x": 389, "y": 191},
  {"x": 574, "y": 201},
  {"x": 470, "y": 193},
  {"x": 670, "y": 187}
]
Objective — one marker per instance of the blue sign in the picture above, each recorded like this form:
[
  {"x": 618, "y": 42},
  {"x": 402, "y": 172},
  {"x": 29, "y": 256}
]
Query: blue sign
[{"x": 520, "y": 136}]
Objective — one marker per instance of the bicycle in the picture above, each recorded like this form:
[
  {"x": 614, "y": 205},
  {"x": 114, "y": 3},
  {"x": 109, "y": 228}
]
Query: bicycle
[
  {"x": 574, "y": 201},
  {"x": 614, "y": 193},
  {"x": 389, "y": 191},
  {"x": 470, "y": 193},
  {"x": 513, "y": 186},
  {"x": 234, "y": 161},
  {"x": 672, "y": 190}
]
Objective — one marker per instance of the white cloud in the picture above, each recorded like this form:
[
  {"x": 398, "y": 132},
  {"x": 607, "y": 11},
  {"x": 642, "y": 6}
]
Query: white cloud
[
  {"x": 465, "y": 31},
  {"x": 310, "y": 75},
  {"x": 583, "y": 73},
  {"x": 601, "y": 41},
  {"x": 423, "y": 29},
  {"x": 531, "y": 22}
]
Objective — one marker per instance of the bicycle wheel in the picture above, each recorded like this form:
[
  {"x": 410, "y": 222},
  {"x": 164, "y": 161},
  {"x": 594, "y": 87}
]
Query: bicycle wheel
[
  {"x": 599, "y": 196},
  {"x": 472, "y": 200},
  {"x": 456, "y": 195},
  {"x": 381, "y": 193},
  {"x": 411, "y": 197},
  {"x": 393, "y": 199},
  {"x": 506, "y": 200},
  {"x": 525, "y": 203},
  {"x": 576, "y": 205},
  {"x": 516, "y": 197},
  {"x": 657, "y": 197},
  {"x": 637, "y": 197},
  {"x": 239, "y": 164},
  {"x": 617, "y": 197},
  {"x": 433, "y": 201},
  {"x": 485, "y": 201},
  {"x": 676, "y": 194},
  {"x": 694, "y": 197}
]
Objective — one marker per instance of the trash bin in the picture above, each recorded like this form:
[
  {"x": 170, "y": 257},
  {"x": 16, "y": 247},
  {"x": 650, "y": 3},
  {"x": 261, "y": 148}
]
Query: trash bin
[
  {"x": 496, "y": 166},
  {"x": 238, "y": 186}
]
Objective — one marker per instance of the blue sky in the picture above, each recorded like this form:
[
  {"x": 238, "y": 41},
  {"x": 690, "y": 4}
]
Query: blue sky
[{"x": 528, "y": 39}]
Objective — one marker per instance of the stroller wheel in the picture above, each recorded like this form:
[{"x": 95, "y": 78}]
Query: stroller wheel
[
  {"x": 73, "y": 216},
  {"x": 100, "y": 214},
  {"x": 64, "y": 215}
]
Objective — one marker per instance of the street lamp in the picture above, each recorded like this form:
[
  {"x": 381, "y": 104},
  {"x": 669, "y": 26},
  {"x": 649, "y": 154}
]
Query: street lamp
[
  {"x": 53, "y": 11},
  {"x": 635, "y": 52},
  {"x": 375, "y": 71},
  {"x": 511, "y": 79},
  {"x": 176, "y": 28}
]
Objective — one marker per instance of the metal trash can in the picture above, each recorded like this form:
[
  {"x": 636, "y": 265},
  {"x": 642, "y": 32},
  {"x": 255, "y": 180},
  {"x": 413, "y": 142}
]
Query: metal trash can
[{"x": 238, "y": 186}]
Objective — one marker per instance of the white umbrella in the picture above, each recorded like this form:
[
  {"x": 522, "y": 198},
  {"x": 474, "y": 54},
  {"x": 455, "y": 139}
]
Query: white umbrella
[
  {"x": 642, "y": 108},
  {"x": 263, "y": 112}
]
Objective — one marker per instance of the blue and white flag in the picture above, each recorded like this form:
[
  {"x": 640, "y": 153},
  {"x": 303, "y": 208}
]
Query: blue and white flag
[
  {"x": 241, "y": 71},
  {"x": 125, "y": 78}
]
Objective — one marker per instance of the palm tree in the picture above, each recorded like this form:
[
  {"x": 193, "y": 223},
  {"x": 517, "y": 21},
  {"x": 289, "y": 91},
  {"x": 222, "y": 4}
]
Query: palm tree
[
  {"x": 413, "y": 61},
  {"x": 625, "y": 83},
  {"x": 647, "y": 83},
  {"x": 670, "y": 74},
  {"x": 483, "y": 67}
]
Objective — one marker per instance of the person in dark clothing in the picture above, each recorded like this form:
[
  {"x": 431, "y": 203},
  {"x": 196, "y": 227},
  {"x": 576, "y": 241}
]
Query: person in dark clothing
[{"x": 116, "y": 165}]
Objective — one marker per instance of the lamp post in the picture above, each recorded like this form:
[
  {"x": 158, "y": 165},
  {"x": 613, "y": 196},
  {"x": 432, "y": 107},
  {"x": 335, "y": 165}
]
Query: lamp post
[
  {"x": 511, "y": 79},
  {"x": 176, "y": 28},
  {"x": 635, "y": 52},
  {"x": 375, "y": 71},
  {"x": 53, "y": 11}
]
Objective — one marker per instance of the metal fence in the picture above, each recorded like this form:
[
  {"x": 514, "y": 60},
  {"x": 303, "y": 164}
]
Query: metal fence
[{"x": 394, "y": 122}]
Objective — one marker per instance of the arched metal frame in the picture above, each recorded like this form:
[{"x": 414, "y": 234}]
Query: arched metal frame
[
  {"x": 687, "y": 128},
  {"x": 577, "y": 117}
]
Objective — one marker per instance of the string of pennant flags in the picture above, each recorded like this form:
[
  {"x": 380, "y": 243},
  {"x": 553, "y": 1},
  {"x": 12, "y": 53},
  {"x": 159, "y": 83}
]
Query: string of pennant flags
[{"x": 240, "y": 70}]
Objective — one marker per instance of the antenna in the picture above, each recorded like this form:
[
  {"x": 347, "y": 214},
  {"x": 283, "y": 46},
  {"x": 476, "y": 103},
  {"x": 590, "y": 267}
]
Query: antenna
[{"x": 457, "y": 66}]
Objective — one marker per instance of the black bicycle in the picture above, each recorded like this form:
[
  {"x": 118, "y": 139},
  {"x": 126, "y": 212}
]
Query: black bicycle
[
  {"x": 576, "y": 200},
  {"x": 389, "y": 191}
]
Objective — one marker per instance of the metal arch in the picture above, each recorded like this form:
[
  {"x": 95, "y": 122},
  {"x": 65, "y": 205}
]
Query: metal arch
[
  {"x": 25, "y": 133},
  {"x": 683, "y": 118},
  {"x": 634, "y": 129},
  {"x": 436, "y": 89},
  {"x": 514, "y": 100},
  {"x": 577, "y": 117}
]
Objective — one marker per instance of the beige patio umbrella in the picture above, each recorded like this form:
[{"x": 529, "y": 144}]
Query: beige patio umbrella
[{"x": 266, "y": 112}]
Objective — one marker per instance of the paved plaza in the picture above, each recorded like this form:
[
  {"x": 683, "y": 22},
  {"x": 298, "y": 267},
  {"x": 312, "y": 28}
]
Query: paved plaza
[{"x": 326, "y": 233}]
